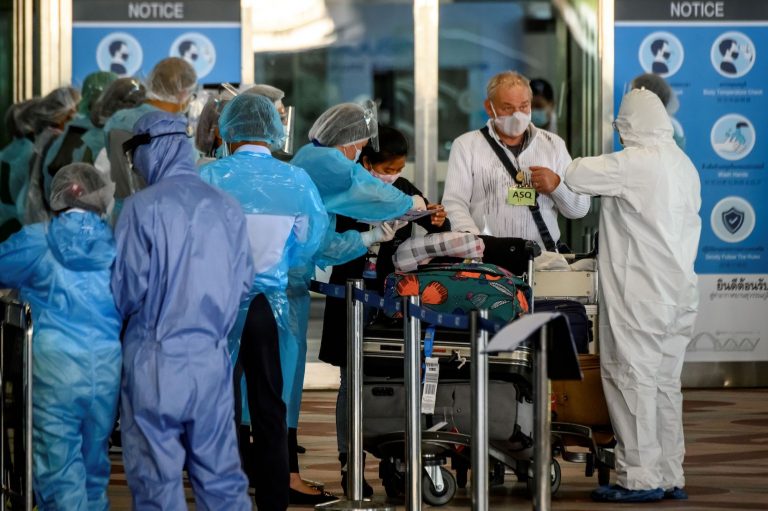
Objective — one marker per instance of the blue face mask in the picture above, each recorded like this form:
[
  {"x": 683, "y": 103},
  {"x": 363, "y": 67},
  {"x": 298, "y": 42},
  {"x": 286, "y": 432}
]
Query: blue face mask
[{"x": 540, "y": 117}]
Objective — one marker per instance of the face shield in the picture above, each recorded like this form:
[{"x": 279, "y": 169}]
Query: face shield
[
  {"x": 289, "y": 123},
  {"x": 371, "y": 117},
  {"x": 195, "y": 105}
]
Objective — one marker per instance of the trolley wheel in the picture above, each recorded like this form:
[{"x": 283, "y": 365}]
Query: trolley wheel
[
  {"x": 392, "y": 480},
  {"x": 603, "y": 475},
  {"x": 498, "y": 473},
  {"x": 438, "y": 498},
  {"x": 554, "y": 480},
  {"x": 461, "y": 477},
  {"x": 394, "y": 487}
]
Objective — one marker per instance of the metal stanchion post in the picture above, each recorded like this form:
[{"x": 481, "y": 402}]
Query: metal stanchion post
[
  {"x": 479, "y": 375},
  {"x": 355, "y": 392},
  {"x": 354, "y": 410},
  {"x": 542, "y": 418},
  {"x": 531, "y": 283},
  {"x": 2, "y": 418},
  {"x": 412, "y": 327},
  {"x": 28, "y": 496}
]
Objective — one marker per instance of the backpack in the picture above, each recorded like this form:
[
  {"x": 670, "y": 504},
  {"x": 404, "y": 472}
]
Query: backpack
[{"x": 460, "y": 288}]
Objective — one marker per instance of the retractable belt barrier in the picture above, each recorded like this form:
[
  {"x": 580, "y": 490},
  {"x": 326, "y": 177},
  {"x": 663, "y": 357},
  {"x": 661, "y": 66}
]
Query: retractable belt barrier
[{"x": 389, "y": 305}]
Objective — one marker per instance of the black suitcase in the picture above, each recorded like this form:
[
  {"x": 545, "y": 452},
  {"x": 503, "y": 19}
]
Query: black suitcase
[
  {"x": 581, "y": 326},
  {"x": 510, "y": 253}
]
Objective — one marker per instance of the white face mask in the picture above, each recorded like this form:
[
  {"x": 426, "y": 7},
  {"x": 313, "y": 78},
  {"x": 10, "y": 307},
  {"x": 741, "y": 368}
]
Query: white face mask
[
  {"x": 357, "y": 152},
  {"x": 387, "y": 178},
  {"x": 512, "y": 125}
]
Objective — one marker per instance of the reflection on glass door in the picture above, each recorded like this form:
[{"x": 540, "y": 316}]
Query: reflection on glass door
[{"x": 338, "y": 51}]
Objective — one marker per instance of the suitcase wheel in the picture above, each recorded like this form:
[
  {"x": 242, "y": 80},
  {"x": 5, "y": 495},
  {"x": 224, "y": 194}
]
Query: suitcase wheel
[
  {"x": 554, "y": 480},
  {"x": 438, "y": 496}
]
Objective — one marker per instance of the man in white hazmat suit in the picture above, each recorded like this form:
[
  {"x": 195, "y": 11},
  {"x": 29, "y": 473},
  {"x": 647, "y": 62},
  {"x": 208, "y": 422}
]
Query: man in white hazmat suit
[{"x": 649, "y": 235}]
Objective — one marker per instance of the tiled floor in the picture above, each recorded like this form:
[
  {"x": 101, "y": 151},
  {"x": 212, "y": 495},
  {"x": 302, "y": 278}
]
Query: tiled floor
[{"x": 726, "y": 464}]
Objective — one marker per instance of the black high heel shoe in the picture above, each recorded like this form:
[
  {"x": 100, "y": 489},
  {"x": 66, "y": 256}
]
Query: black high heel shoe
[{"x": 297, "y": 498}]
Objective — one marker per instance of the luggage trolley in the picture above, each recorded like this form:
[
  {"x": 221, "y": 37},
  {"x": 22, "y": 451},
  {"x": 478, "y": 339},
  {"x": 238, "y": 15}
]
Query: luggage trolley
[
  {"x": 446, "y": 433},
  {"x": 16, "y": 405}
]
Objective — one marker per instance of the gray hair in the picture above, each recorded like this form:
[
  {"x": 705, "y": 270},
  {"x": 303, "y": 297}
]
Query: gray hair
[{"x": 507, "y": 79}]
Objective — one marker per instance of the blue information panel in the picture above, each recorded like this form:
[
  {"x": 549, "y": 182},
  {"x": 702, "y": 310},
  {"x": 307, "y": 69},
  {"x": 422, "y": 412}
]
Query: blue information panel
[
  {"x": 129, "y": 38},
  {"x": 714, "y": 55},
  {"x": 718, "y": 71}
]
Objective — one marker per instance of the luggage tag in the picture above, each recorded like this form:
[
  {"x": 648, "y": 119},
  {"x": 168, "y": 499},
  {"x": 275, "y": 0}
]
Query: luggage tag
[
  {"x": 525, "y": 194},
  {"x": 369, "y": 270},
  {"x": 431, "y": 374}
]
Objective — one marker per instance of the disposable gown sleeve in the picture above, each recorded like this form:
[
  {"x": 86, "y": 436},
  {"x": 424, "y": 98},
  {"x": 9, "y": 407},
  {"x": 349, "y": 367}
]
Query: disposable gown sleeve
[
  {"x": 130, "y": 277},
  {"x": 339, "y": 248},
  {"x": 597, "y": 175},
  {"x": 348, "y": 189},
  {"x": 569, "y": 204},
  {"x": 369, "y": 199},
  {"x": 20, "y": 254},
  {"x": 310, "y": 228}
]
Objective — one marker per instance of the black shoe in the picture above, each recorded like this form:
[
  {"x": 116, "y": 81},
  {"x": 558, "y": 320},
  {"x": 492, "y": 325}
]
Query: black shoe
[
  {"x": 367, "y": 489},
  {"x": 301, "y": 449},
  {"x": 297, "y": 498}
]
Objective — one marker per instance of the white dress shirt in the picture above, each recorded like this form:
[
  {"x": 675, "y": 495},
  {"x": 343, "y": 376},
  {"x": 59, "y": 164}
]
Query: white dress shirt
[{"x": 477, "y": 185}]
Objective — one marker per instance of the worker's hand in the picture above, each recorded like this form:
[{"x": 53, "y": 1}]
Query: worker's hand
[
  {"x": 380, "y": 233},
  {"x": 544, "y": 180},
  {"x": 418, "y": 203},
  {"x": 438, "y": 215}
]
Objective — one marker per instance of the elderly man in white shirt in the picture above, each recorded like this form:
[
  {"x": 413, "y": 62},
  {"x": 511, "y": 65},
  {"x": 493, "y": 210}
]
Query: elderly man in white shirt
[{"x": 483, "y": 196}]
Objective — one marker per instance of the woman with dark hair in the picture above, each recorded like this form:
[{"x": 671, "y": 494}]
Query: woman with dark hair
[
  {"x": 387, "y": 165},
  {"x": 543, "y": 105}
]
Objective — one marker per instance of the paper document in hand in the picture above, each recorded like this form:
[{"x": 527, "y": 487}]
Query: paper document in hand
[{"x": 409, "y": 216}]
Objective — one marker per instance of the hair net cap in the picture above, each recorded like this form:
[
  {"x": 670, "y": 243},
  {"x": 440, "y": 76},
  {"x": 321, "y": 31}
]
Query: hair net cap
[
  {"x": 262, "y": 89},
  {"x": 20, "y": 118},
  {"x": 252, "y": 118},
  {"x": 93, "y": 85},
  {"x": 345, "y": 124},
  {"x": 173, "y": 80},
  {"x": 80, "y": 185},
  {"x": 121, "y": 94},
  {"x": 660, "y": 87},
  {"x": 55, "y": 107}
]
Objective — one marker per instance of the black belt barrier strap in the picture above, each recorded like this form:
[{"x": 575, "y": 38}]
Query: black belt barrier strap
[{"x": 376, "y": 301}]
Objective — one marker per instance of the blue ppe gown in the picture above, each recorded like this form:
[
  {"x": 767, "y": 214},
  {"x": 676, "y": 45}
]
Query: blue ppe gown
[
  {"x": 15, "y": 159},
  {"x": 287, "y": 223},
  {"x": 183, "y": 266},
  {"x": 348, "y": 189},
  {"x": 63, "y": 271}
]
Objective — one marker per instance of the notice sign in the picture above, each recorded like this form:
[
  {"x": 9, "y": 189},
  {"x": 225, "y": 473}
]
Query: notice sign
[
  {"x": 129, "y": 37},
  {"x": 714, "y": 55}
]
